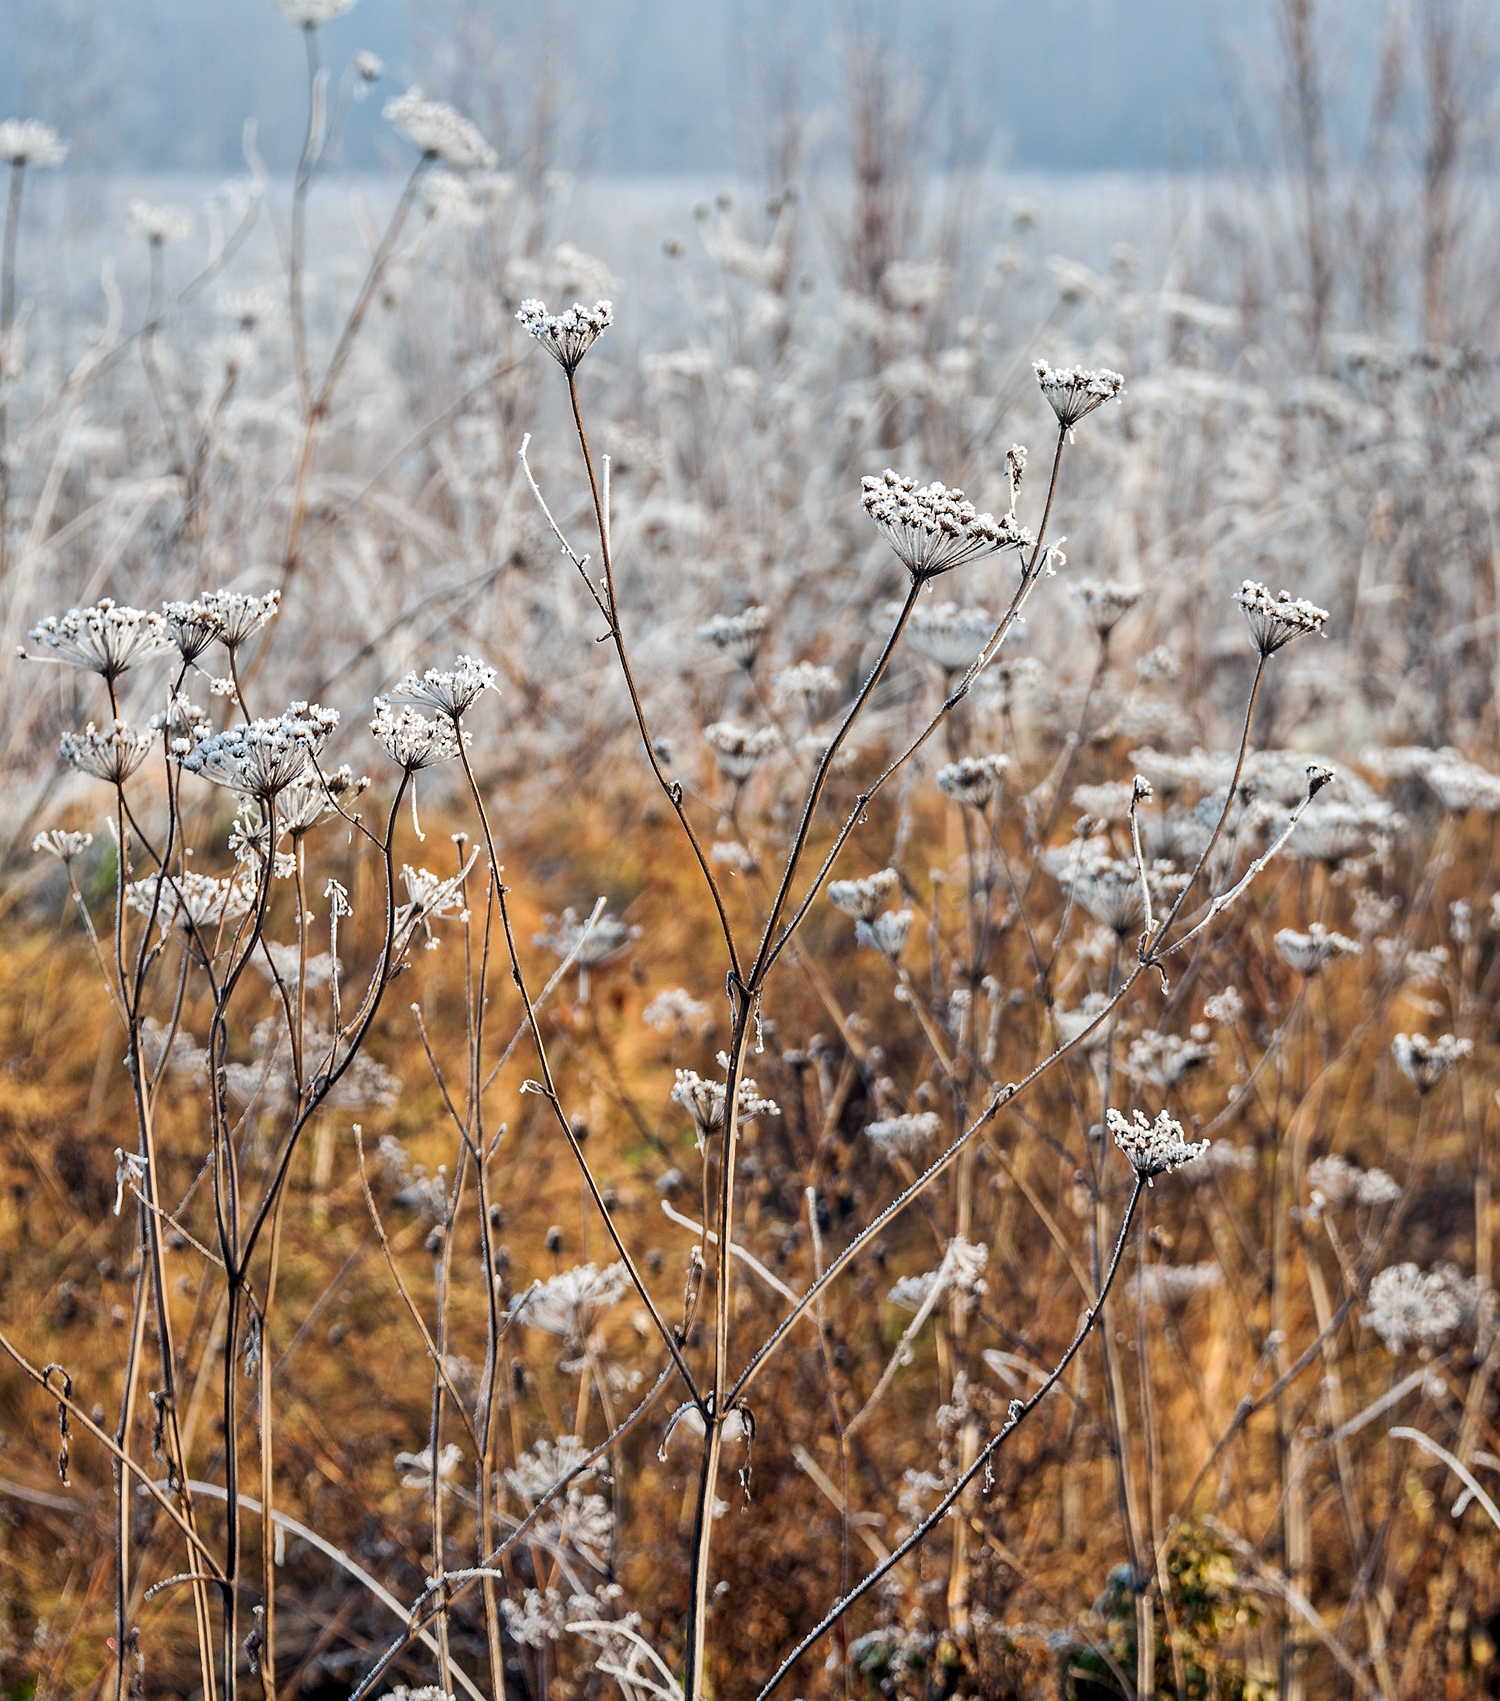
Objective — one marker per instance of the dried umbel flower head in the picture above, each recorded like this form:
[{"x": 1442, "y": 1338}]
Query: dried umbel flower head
[
  {"x": 309, "y": 14},
  {"x": 904, "y": 1136},
  {"x": 567, "y": 336},
  {"x": 193, "y": 901},
  {"x": 1111, "y": 893},
  {"x": 972, "y": 780},
  {"x": 1408, "y": 1306},
  {"x": 934, "y": 529},
  {"x": 27, "y": 141},
  {"x": 1333, "y": 1180},
  {"x": 1424, "y": 1062},
  {"x": 103, "y": 639},
  {"x": 1163, "y": 1060},
  {"x": 1461, "y": 786},
  {"x": 570, "y": 1303},
  {"x": 448, "y": 690},
  {"x": 226, "y": 617},
  {"x": 160, "y": 225},
  {"x": 805, "y": 685},
  {"x": 1170, "y": 1284},
  {"x": 887, "y": 933},
  {"x": 590, "y": 941},
  {"x": 265, "y": 756},
  {"x": 704, "y": 1101},
  {"x": 739, "y": 750},
  {"x": 113, "y": 754},
  {"x": 1308, "y": 952},
  {"x": 1073, "y": 392},
  {"x": 56, "y": 841},
  {"x": 437, "y": 131},
  {"x": 675, "y": 1010},
  {"x": 1331, "y": 831},
  {"x": 1153, "y": 1148},
  {"x": 1276, "y": 621},
  {"x": 1110, "y": 800},
  {"x": 411, "y": 739},
  {"x": 1107, "y": 602},
  {"x": 962, "y": 1269},
  {"x": 369, "y": 68},
  {"x": 862, "y": 898},
  {"x": 949, "y": 635},
  {"x": 738, "y": 635}
]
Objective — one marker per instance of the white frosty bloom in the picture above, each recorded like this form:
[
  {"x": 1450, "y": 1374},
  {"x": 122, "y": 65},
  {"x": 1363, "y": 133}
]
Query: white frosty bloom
[
  {"x": 228, "y": 617},
  {"x": 1424, "y": 1062},
  {"x": 1073, "y": 392},
  {"x": 972, "y": 780},
  {"x": 575, "y": 1518},
  {"x": 675, "y": 1010},
  {"x": 113, "y": 754},
  {"x": 1407, "y": 1305},
  {"x": 962, "y": 1268},
  {"x": 27, "y": 141},
  {"x": 410, "y": 739},
  {"x": 160, "y": 225},
  {"x": 863, "y": 898},
  {"x": 904, "y": 1136},
  {"x": 933, "y": 529},
  {"x": 370, "y": 68},
  {"x": 435, "y": 129},
  {"x": 1276, "y": 621},
  {"x": 104, "y": 639},
  {"x": 1461, "y": 786},
  {"x": 570, "y": 1303},
  {"x": 569, "y": 335},
  {"x": 704, "y": 1101},
  {"x": 739, "y": 635},
  {"x": 62, "y": 844},
  {"x": 1226, "y": 1006},
  {"x": 1153, "y": 1148},
  {"x": 1330, "y": 831},
  {"x": 1170, "y": 1284},
  {"x": 1333, "y": 1180},
  {"x": 192, "y": 900},
  {"x": 587, "y": 944},
  {"x": 1111, "y": 892},
  {"x": 1107, "y": 602},
  {"x": 265, "y": 756},
  {"x": 949, "y": 635},
  {"x": 739, "y": 750},
  {"x": 448, "y": 690},
  {"x": 806, "y": 684},
  {"x": 887, "y": 933},
  {"x": 1162, "y": 1060},
  {"x": 416, "y": 1468},
  {"x": 1308, "y": 952}
]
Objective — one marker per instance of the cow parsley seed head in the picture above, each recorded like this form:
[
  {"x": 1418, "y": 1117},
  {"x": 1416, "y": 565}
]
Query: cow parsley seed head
[
  {"x": 862, "y": 898},
  {"x": 1461, "y": 786},
  {"x": 1408, "y": 1306},
  {"x": 309, "y": 14},
  {"x": 739, "y": 635},
  {"x": 887, "y": 933},
  {"x": 1424, "y": 1062},
  {"x": 904, "y": 1136},
  {"x": 1276, "y": 621},
  {"x": 567, "y": 336},
  {"x": 410, "y": 739},
  {"x": 972, "y": 780},
  {"x": 1107, "y": 602},
  {"x": 160, "y": 225},
  {"x": 190, "y": 900},
  {"x": 1153, "y": 1148},
  {"x": 1308, "y": 952},
  {"x": 103, "y": 639},
  {"x": 933, "y": 529},
  {"x": 739, "y": 750},
  {"x": 56, "y": 841},
  {"x": 448, "y": 690},
  {"x": 951, "y": 636},
  {"x": 27, "y": 141},
  {"x": 225, "y": 617},
  {"x": 805, "y": 684},
  {"x": 570, "y": 1303},
  {"x": 704, "y": 1101},
  {"x": 264, "y": 757},
  {"x": 437, "y": 131},
  {"x": 113, "y": 754},
  {"x": 1073, "y": 392},
  {"x": 588, "y": 945}
]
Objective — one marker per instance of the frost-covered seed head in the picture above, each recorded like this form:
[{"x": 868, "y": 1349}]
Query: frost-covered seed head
[
  {"x": 704, "y": 1101},
  {"x": 738, "y": 635},
  {"x": 27, "y": 141},
  {"x": 934, "y": 529},
  {"x": 1163, "y": 1060},
  {"x": 1424, "y": 1062},
  {"x": 104, "y": 639},
  {"x": 1333, "y": 1180},
  {"x": 570, "y": 1303},
  {"x": 949, "y": 635},
  {"x": 160, "y": 225},
  {"x": 972, "y": 780},
  {"x": 1107, "y": 602},
  {"x": 113, "y": 754},
  {"x": 410, "y": 739},
  {"x": 887, "y": 934},
  {"x": 265, "y": 756},
  {"x": 1462, "y": 786},
  {"x": 675, "y": 1010},
  {"x": 1073, "y": 392},
  {"x": 567, "y": 336},
  {"x": 739, "y": 750},
  {"x": 904, "y": 1136},
  {"x": 191, "y": 900},
  {"x": 1408, "y": 1306},
  {"x": 436, "y": 130},
  {"x": 309, "y": 14},
  {"x": 228, "y": 617},
  {"x": 862, "y": 898},
  {"x": 1153, "y": 1148},
  {"x": 806, "y": 685},
  {"x": 62, "y": 844},
  {"x": 1308, "y": 952},
  {"x": 448, "y": 690},
  {"x": 588, "y": 946},
  {"x": 1276, "y": 621}
]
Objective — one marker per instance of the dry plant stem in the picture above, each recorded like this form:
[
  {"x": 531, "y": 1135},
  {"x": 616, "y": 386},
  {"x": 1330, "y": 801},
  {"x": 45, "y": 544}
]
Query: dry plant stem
[
  {"x": 7, "y": 317},
  {"x": 299, "y": 214},
  {"x": 1020, "y": 1410}
]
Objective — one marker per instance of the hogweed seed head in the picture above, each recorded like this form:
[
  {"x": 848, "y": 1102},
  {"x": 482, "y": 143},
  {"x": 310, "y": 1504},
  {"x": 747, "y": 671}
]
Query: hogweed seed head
[
  {"x": 160, "y": 225},
  {"x": 1153, "y": 1148},
  {"x": 226, "y": 617},
  {"x": 113, "y": 754},
  {"x": 1073, "y": 392},
  {"x": 437, "y": 131},
  {"x": 57, "y": 842},
  {"x": 862, "y": 898},
  {"x": 104, "y": 639},
  {"x": 704, "y": 1101},
  {"x": 1276, "y": 621},
  {"x": 949, "y": 635},
  {"x": 738, "y": 635},
  {"x": 266, "y": 756},
  {"x": 972, "y": 780},
  {"x": 933, "y": 529},
  {"x": 27, "y": 141},
  {"x": 589, "y": 944},
  {"x": 1424, "y": 1062},
  {"x": 904, "y": 1136},
  {"x": 1309, "y": 952},
  {"x": 309, "y": 14},
  {"x": 1107, "y": 602},
  {"x": 1408, "y": 1306},
  {"x": 411, "y": 740},
  {"x": 450, "y": 691},
  {"x": 887, "y": 933},
  {"x": 737, "y": 749},
  {"x": 567, "y": 336}
]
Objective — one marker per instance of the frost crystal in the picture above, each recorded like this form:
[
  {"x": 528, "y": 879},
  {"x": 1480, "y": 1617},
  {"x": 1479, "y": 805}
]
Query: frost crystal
[
  {"x": 569, "y": 335},
  {"x": 27, "y": 141},
  {"x": 949, "y": 635},
  {"x": 1308, "y": 952},
  {"x": 972, "y": 779},
  {"x": 438, "y": 132},
  {"x": 1276, "y": 621},
  {"x": 1424, "y": 1062},
  {"x": 904, "y": 1136},
  {"x": 266, "y": 756},
  {"x": 739, "y": 635},
  {"x": 410, "y": 739},
  {"x": 1073, "y": 392},
  {"x": 450, "y": 690},
  {"x": 1153, "y": 1148},
  {"x": 1408, "y": 1305},
  {"x": 934, "y": 529},
  {"x": 104, "y": 639},
  {"x": 113, "y": 754}
]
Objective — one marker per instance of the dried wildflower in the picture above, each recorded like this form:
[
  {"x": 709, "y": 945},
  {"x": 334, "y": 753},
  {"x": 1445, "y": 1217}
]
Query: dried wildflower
[
  {"x": 588, "y": 943},
  {"x": 1111, "y": 893},
  {"x": 739, "y": 750},
  {"x": 1408, "y": 1306},
  {"x": 739, "y": 635},
  {"x": 438, "y": 132},
  {"x": 1171, "y": 1284},
  {"x": 104, "y": 639},
  {"x": 264, "y": 757},
  {"x": 862, "y": 898},
  {"x": 410, "y": 739},
  {"x": 731, "y": 854},
  {"x": 193, "y": 901},
  {"x": 1424, "y": 1062},
  {"x": 570, "y": 1303},
  {"x": 1109, "y": 801},
  {"x": 1226, "y": 1007},
  {"x": 430, "y": 897},
  {"x": 806, "y": 684},
  {"x": 576, "y": 1518},
  {"x": 62, "y": 844},
  {"x": 972, "y": 780},
  {"x": 887, "y": 933},
  {"x": 904, "y": 1136},
  {"x": 949, "y": 635},
  {"x": 309, "y": 14},
  {"x": 567, "y": 336},
  {"x": 1331, "y": 831},
  {"x": 160, "y": 225},
  {"x": 1107, "y": 602},
  {"x": 1153, "y": 1148},
  {"x": 113, "y": 754},
  {"x": 1276, "y": 621},
  {"x": 962, "y": 1268},
  {"x": 416, "y": 1468},
  {"x": 1162, "y": 1060},
  {"x": 228, "y": 617},
  {"x": 450, "y": 691},
  {"x": 1158, "y": 664},
  {"x": 1084, "y": 1021},
  {"x": 704, "y": 1101},
  {"x": 1461, "y": 786},
  {"x": 27, "y": 141},
  {"x": 1073, "y": 392},
  {"x": 1333, "y": 1180},
  {"x": 934, "y": 529},
  {"x": 675, "y": 1010},
  {"x": 1308, "y": 952}
]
